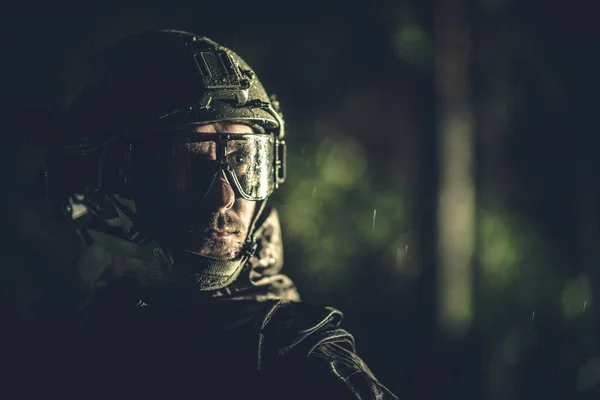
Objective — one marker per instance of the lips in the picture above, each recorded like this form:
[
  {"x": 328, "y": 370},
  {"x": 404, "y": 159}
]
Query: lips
[
  {"x": 221, "y": 233},
  {"x": 216, "y": 243}
]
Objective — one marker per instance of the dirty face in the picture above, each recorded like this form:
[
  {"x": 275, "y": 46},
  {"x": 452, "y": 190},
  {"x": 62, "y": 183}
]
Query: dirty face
[{"x": 214, "y": 224}]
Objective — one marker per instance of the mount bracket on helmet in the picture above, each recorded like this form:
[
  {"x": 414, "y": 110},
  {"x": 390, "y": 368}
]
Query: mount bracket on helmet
[{"x": 222, "y": 78}]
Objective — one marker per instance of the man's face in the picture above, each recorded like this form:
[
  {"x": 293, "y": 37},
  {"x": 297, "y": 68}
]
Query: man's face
[
  {"x": 229, "y": 216},
  {"x": 215, "y": 225}
]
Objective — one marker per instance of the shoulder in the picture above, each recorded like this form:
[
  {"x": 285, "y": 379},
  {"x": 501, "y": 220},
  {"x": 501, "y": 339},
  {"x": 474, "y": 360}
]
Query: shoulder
[
  {"x": 300, "y": 327},
  {"x": 306, "y": 348}
]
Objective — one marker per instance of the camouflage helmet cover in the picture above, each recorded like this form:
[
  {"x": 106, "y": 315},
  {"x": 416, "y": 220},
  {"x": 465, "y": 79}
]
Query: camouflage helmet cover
[{"x": 160, "y": 79}]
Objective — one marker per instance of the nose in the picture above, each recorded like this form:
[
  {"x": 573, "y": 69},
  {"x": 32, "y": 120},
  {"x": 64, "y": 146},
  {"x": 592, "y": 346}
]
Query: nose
[{"x": 221, "y": 196}]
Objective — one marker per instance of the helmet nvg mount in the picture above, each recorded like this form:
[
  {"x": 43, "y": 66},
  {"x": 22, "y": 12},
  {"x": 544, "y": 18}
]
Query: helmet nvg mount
[{"x": 145, "y": 95}]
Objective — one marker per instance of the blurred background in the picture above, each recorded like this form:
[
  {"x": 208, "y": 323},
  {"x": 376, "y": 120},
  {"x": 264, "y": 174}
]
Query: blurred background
[{"x": 442, "y": 186}]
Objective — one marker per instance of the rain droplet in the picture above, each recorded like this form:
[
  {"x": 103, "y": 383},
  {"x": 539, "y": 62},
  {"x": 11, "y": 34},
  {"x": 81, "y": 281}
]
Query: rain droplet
[
  {"x": 314, "y": 192},
  {"x": 584, "y": 305},
  {"x": 532, "y": 317},
  {"x": 374, "y": 215},
  {"x": 321, "y": 205}
]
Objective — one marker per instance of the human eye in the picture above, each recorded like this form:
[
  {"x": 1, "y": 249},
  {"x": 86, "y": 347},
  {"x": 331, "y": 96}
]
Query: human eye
[{"x": 238, "y": 157}]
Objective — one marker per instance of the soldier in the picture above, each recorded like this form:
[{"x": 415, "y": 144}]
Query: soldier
[{"x": 168, "y": 157}]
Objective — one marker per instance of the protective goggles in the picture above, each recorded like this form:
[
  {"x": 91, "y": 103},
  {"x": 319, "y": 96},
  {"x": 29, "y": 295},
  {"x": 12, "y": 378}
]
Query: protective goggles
[{"x": 186, "y": 165}]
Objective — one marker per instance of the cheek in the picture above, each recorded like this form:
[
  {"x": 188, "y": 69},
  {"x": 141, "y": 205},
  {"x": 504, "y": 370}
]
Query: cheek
[{"x": 245, "y": 210}]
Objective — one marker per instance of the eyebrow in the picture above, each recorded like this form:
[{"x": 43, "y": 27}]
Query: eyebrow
[{"x": 256, "y": 128}]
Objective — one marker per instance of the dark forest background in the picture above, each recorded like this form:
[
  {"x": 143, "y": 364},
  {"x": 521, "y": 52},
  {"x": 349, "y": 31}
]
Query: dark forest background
[{"x": 421, "y": 134}]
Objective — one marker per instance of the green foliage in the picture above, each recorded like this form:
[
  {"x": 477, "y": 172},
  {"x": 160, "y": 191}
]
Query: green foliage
[
  {"x": 502, "y": 249},
  {"x": 412, "y": 44},
  {"x": 409, "y": 40},
  {"x": 335, "y": 210},
  {"x": 513, "y": 255}
]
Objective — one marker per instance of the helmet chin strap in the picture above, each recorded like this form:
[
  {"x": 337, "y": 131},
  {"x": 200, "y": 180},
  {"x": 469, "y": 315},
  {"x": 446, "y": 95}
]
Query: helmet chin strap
[{"x": 194, "y": 271}]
